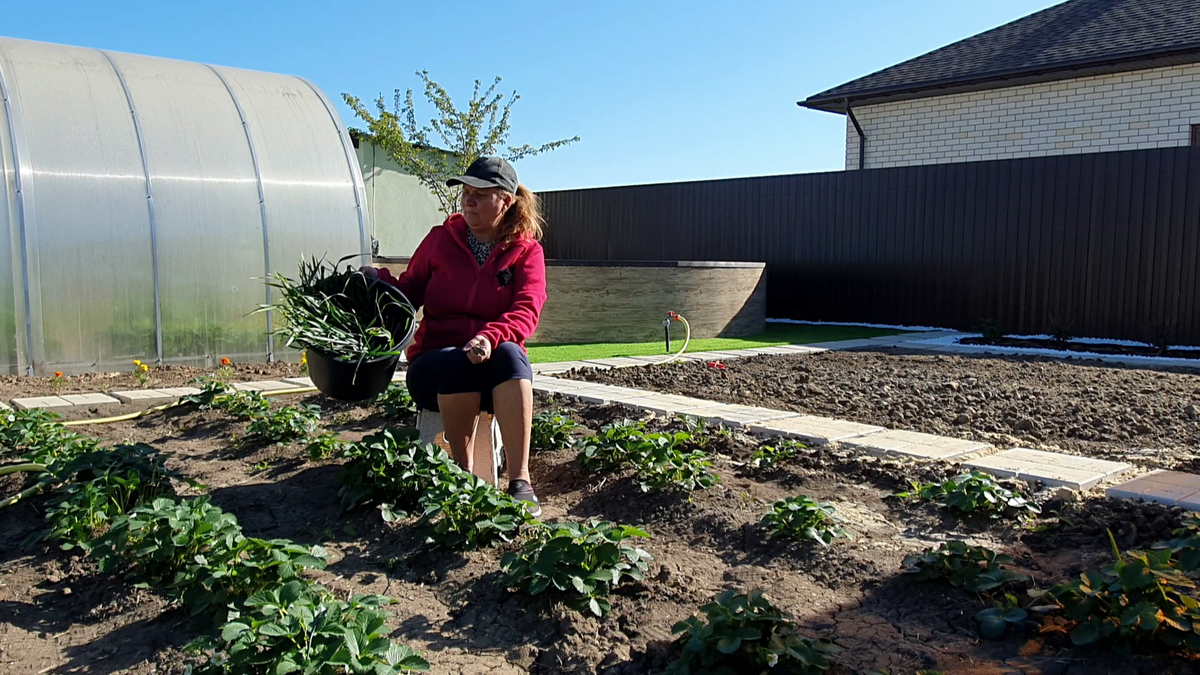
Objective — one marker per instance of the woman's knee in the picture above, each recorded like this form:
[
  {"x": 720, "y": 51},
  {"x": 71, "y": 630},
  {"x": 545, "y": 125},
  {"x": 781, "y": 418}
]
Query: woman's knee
[{"x": 509, "y": 362}]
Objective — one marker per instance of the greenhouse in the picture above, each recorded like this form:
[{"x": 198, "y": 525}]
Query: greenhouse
[{"x": 146, "y": 199}]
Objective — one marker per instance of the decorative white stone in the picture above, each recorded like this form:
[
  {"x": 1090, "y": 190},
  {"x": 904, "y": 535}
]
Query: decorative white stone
[
  {"x": 263, "y": 385},
  {"x": 307, "y": 381},
  {"x": 180, "y": 391}
]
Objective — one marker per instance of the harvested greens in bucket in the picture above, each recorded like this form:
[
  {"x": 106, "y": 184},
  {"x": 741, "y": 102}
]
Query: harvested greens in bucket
[{"x": 342, "y": 314}]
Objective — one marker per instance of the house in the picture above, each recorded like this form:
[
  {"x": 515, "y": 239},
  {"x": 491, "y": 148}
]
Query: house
[{"x": 1084, "y": 76}]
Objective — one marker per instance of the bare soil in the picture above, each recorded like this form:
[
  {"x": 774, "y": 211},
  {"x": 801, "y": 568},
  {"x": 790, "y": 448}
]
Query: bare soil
[
  {"x": 1148, "y": 417},
  {"x": 58, "y": 614},
  {"x": 159, "y": 377}
]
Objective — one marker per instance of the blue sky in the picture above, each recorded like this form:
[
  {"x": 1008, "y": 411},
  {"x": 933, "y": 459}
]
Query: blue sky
[{"x": 658, "y": 91}]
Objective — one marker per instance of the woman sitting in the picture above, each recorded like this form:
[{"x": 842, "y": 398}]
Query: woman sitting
[{"x": 481, "y": 278}]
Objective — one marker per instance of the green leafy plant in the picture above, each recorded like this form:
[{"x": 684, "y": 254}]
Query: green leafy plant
[
  {"x": 326, "y": 446},
  {"x": 305, "y": 629},
  {"x": 392, "y": 469},
  {"x": 552, "y": 430},
  {"x": 585, "y": 561},
  {"x": 397, "y": 403},
  {"x": 211, "y": 389},
  {"x": 745, "y": 633},
  {"x": 660, "y": 460},
  {"x": 768, "y": 456},
  {"x": 1186, "y": 545},
  {"x": 1141, "y": 598},
  {"x": 974, "y": 493},
  {"x": 37, "y": 435},
  {"x": 805, "y": 519},
  {"x": 288, "y": 424},
  {"x": 242, "y": 405},
  {"x": 341, "y": 313},
  {"x": 101, "y": 485},
  {"x": 975, "y": 568},
  {"x": 995, "y": 621},
  {"x": 197, "y": 553},
  {"x": 990, "y": 329},
  {"x": 463, "y": 511}
]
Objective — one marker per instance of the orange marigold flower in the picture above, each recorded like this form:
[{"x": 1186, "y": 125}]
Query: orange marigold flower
[
  {"x": 225, "y": 362},
  {"x": 58, "y": 373}
]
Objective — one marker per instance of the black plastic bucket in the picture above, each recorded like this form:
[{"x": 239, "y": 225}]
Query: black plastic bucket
[{"x": 349, "y": 380}]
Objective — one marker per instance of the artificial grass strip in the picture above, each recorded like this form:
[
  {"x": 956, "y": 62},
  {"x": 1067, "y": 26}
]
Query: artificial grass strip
[{"x": 776, "y": 334}]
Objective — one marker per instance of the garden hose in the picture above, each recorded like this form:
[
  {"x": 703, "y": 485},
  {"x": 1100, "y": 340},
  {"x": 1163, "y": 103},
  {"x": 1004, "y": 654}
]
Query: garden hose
[
  {"x": 167, "y": 406},
  {"x": 673, "y": 316}
]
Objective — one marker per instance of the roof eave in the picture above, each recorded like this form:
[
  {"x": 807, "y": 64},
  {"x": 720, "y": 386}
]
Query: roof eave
[{"x": 1000, "y": 80}]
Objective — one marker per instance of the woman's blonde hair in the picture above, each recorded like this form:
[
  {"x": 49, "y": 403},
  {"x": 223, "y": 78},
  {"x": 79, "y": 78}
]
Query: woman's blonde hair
[{"x": 523, "y": 220}]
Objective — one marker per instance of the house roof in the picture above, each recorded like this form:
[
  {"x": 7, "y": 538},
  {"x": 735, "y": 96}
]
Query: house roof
[{"x": 1073, "y": 39}]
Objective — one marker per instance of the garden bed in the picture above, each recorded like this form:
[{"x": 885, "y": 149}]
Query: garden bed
[
  {"x": 1090, "y": 347},
  {"x": 1148, "y": 417},
  {"x": 59, "y": 614}
]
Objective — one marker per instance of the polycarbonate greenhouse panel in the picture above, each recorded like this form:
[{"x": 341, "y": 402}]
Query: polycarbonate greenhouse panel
[
  {"x": 9, "y": 241},
  {"x": 87, "y": 219},
  {"x": 146, "y": 199},
  {"x": 209, "y": 225},
  {"x": 308, "y": 184}
]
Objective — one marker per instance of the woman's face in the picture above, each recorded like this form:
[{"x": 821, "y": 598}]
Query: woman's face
[{"x": 484, "y": 208}]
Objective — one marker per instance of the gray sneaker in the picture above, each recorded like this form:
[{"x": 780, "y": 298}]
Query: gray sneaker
[{"x": 521, "y": 490}]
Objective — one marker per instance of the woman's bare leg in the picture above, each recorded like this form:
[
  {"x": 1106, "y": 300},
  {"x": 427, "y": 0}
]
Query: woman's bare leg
[
  {"x": 513, "y": 405},
  {"x": 459, "y": 415}
]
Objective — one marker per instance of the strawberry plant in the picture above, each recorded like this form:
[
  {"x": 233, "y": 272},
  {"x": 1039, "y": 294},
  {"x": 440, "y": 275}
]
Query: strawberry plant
[
  {"x": 975, "y": 568},
  {"x": 1141, "y": 598},
  {"x": 211, "y": 389},
  {"x": 660, "y": 460},
  {"x": 242, "y": 405},
  {"x": 197, "y": 553},
  {"x": 552, "y": 430},
  {"x": 974, "y": 493},
  {"x": 745, "y": 633},
  {"x": 101, "y": 485},
  {"x": 768, "y": 456},
  {"x": 37, "y": 435},
  {"x": 326, "y": 446},
  {"x": 288, "y": 424},
  {"x": 1186, "y": 545},
  {"x": 393, "y": 469},
  {"x": 462, "y": 511},
  {"x": 995, "y": 620},
  {"x": 296, "y": 628},
  {"x": 584, "y": 561},
  {"x": 397, "y": 404},
  {"x": 803, "y": 518}
]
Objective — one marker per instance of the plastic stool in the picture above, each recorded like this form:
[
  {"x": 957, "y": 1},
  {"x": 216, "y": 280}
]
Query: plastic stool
[{"x": 488, "y": 452}]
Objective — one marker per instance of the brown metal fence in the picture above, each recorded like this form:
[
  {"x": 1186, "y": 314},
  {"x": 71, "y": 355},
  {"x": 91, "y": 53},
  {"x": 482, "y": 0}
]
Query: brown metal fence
[{"x": 1103, "y": 245}]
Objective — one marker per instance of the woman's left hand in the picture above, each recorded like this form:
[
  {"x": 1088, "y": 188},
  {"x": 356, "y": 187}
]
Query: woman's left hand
[{"x": 478, "y": 349}]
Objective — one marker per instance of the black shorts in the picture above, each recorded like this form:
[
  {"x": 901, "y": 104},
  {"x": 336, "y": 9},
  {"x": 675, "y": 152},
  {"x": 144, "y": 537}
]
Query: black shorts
[{"x": 449, "y": 371}]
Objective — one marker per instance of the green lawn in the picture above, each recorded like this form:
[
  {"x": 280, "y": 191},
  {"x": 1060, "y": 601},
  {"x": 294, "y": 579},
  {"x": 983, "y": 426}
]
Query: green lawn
[{"x": 777, "y": 334}]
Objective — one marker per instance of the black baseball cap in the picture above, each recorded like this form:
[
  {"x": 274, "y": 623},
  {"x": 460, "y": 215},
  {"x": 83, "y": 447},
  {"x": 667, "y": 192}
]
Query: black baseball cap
[{"x": 489, "y": 172}]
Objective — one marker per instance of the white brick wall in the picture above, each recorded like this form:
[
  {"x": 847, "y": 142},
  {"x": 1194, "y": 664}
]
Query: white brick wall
[{"x": 1143, "y": 109}]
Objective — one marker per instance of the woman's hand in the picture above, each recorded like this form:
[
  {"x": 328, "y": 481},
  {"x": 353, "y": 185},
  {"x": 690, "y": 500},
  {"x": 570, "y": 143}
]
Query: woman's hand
[{"x": 478, "y": 349}]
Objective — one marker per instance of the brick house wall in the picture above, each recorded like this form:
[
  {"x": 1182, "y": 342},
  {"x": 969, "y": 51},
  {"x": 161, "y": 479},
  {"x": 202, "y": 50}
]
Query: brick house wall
[{"x": 1126, "y": 111}]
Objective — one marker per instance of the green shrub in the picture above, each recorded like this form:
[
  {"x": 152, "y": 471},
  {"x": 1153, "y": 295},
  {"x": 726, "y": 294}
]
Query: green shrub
[
  {"x": 974, "y": 493},
  {"x": 551, "y": 430},
  {"x": 975, "y": 568},
  {"x": 746, "y": 634},
  {"x": 288, "y": 424},
  {"x": 805, "y": 519},
  {"x": 583, "y": 561},
  {"x": 242, "y": 405},
  {"x": 296, "y": 628},
  {"x": 392, "y": 469}
]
